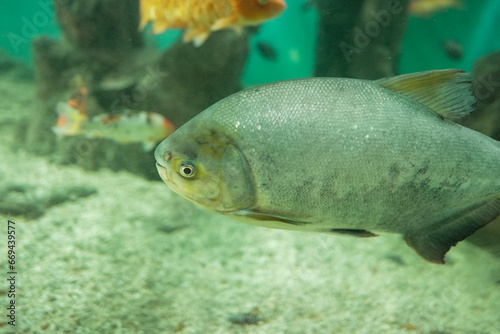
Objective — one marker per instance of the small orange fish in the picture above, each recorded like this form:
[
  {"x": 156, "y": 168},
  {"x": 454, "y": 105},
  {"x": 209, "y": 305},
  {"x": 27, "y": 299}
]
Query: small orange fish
[
  {"x": 79, "y": 100},
  {"x": 427, "y": 8},
  {"x": 70, "y": 121},
  {"x": 145, "y": 127},
  {"x": 199, "y": 18}
]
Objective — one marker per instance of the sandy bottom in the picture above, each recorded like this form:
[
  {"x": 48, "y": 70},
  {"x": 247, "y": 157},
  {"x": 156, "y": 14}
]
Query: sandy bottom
[{"x": 133, "y": 257}]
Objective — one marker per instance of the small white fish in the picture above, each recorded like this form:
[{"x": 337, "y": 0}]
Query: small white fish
[{"x": 145, "y": 127}]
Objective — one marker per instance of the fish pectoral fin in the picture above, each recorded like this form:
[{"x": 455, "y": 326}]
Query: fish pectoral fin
[
  {"x": 159, "y": 27},
  {"x": 353, "y": 232},
  {"x": 200, "y": 39},
  {"x": 262, "y": 216},
  {"x": 224, "y": 22},
  {"x": 434, "y": 244},
  {"x": 447, "y": 92},
  {"x": 193, "y": 33}
]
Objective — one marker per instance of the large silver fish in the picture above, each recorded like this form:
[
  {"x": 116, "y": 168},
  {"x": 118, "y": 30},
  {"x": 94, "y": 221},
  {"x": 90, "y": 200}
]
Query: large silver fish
[{"x": 344, "y": 156}]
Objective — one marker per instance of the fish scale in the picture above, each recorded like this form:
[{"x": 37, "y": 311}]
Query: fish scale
[{"x": 345, "y": 155}]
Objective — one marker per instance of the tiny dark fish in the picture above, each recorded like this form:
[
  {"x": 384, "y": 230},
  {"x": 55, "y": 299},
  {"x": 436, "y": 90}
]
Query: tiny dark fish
[
  {"x": 245, "y": 318},
  {"x": 267, "y": 51},
  {"x": 453, "y": 49},
  {"x": 396, "y": 259},
  {"x": 170, "y": 229},
  {"x": 308, "y": 5}
]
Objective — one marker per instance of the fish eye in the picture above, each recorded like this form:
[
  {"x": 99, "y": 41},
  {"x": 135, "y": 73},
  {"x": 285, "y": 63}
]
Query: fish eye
[
  {"x": 263, "y": 2},
  {"x": 187, "y": 169}
]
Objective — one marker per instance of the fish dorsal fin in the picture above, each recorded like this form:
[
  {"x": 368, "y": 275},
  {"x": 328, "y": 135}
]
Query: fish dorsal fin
[{"x": 446, "y": 92}]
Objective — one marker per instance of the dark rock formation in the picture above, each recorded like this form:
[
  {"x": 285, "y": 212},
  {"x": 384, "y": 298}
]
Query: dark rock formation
[
  {"x": 486, "y": 119},
  {"x": 486, "y": 78},
  {"x": 359, "y": 39},
  {"x": 104, "y": 49}
]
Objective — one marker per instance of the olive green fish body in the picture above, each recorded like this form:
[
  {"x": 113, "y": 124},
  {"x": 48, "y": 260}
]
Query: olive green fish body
[
  {"x": 345, "y": 155},
  {"x": 315, "y": 152}
]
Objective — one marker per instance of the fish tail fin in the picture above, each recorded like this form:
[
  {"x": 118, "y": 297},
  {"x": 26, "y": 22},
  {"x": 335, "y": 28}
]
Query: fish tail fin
[
  {"x": 433, "y": 245},
  {"x": 69, "y": 122},
  {"x": 162, "y": 122},
  {"x": 150, "y": 12},
  {"x": 168, "y": 126},
  {"x": 145, "y": 16},
  {"x": 149, "y": 144}
]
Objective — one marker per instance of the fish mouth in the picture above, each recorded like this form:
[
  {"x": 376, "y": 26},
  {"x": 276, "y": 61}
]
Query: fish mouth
[{"x": 162, "y": 170}]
